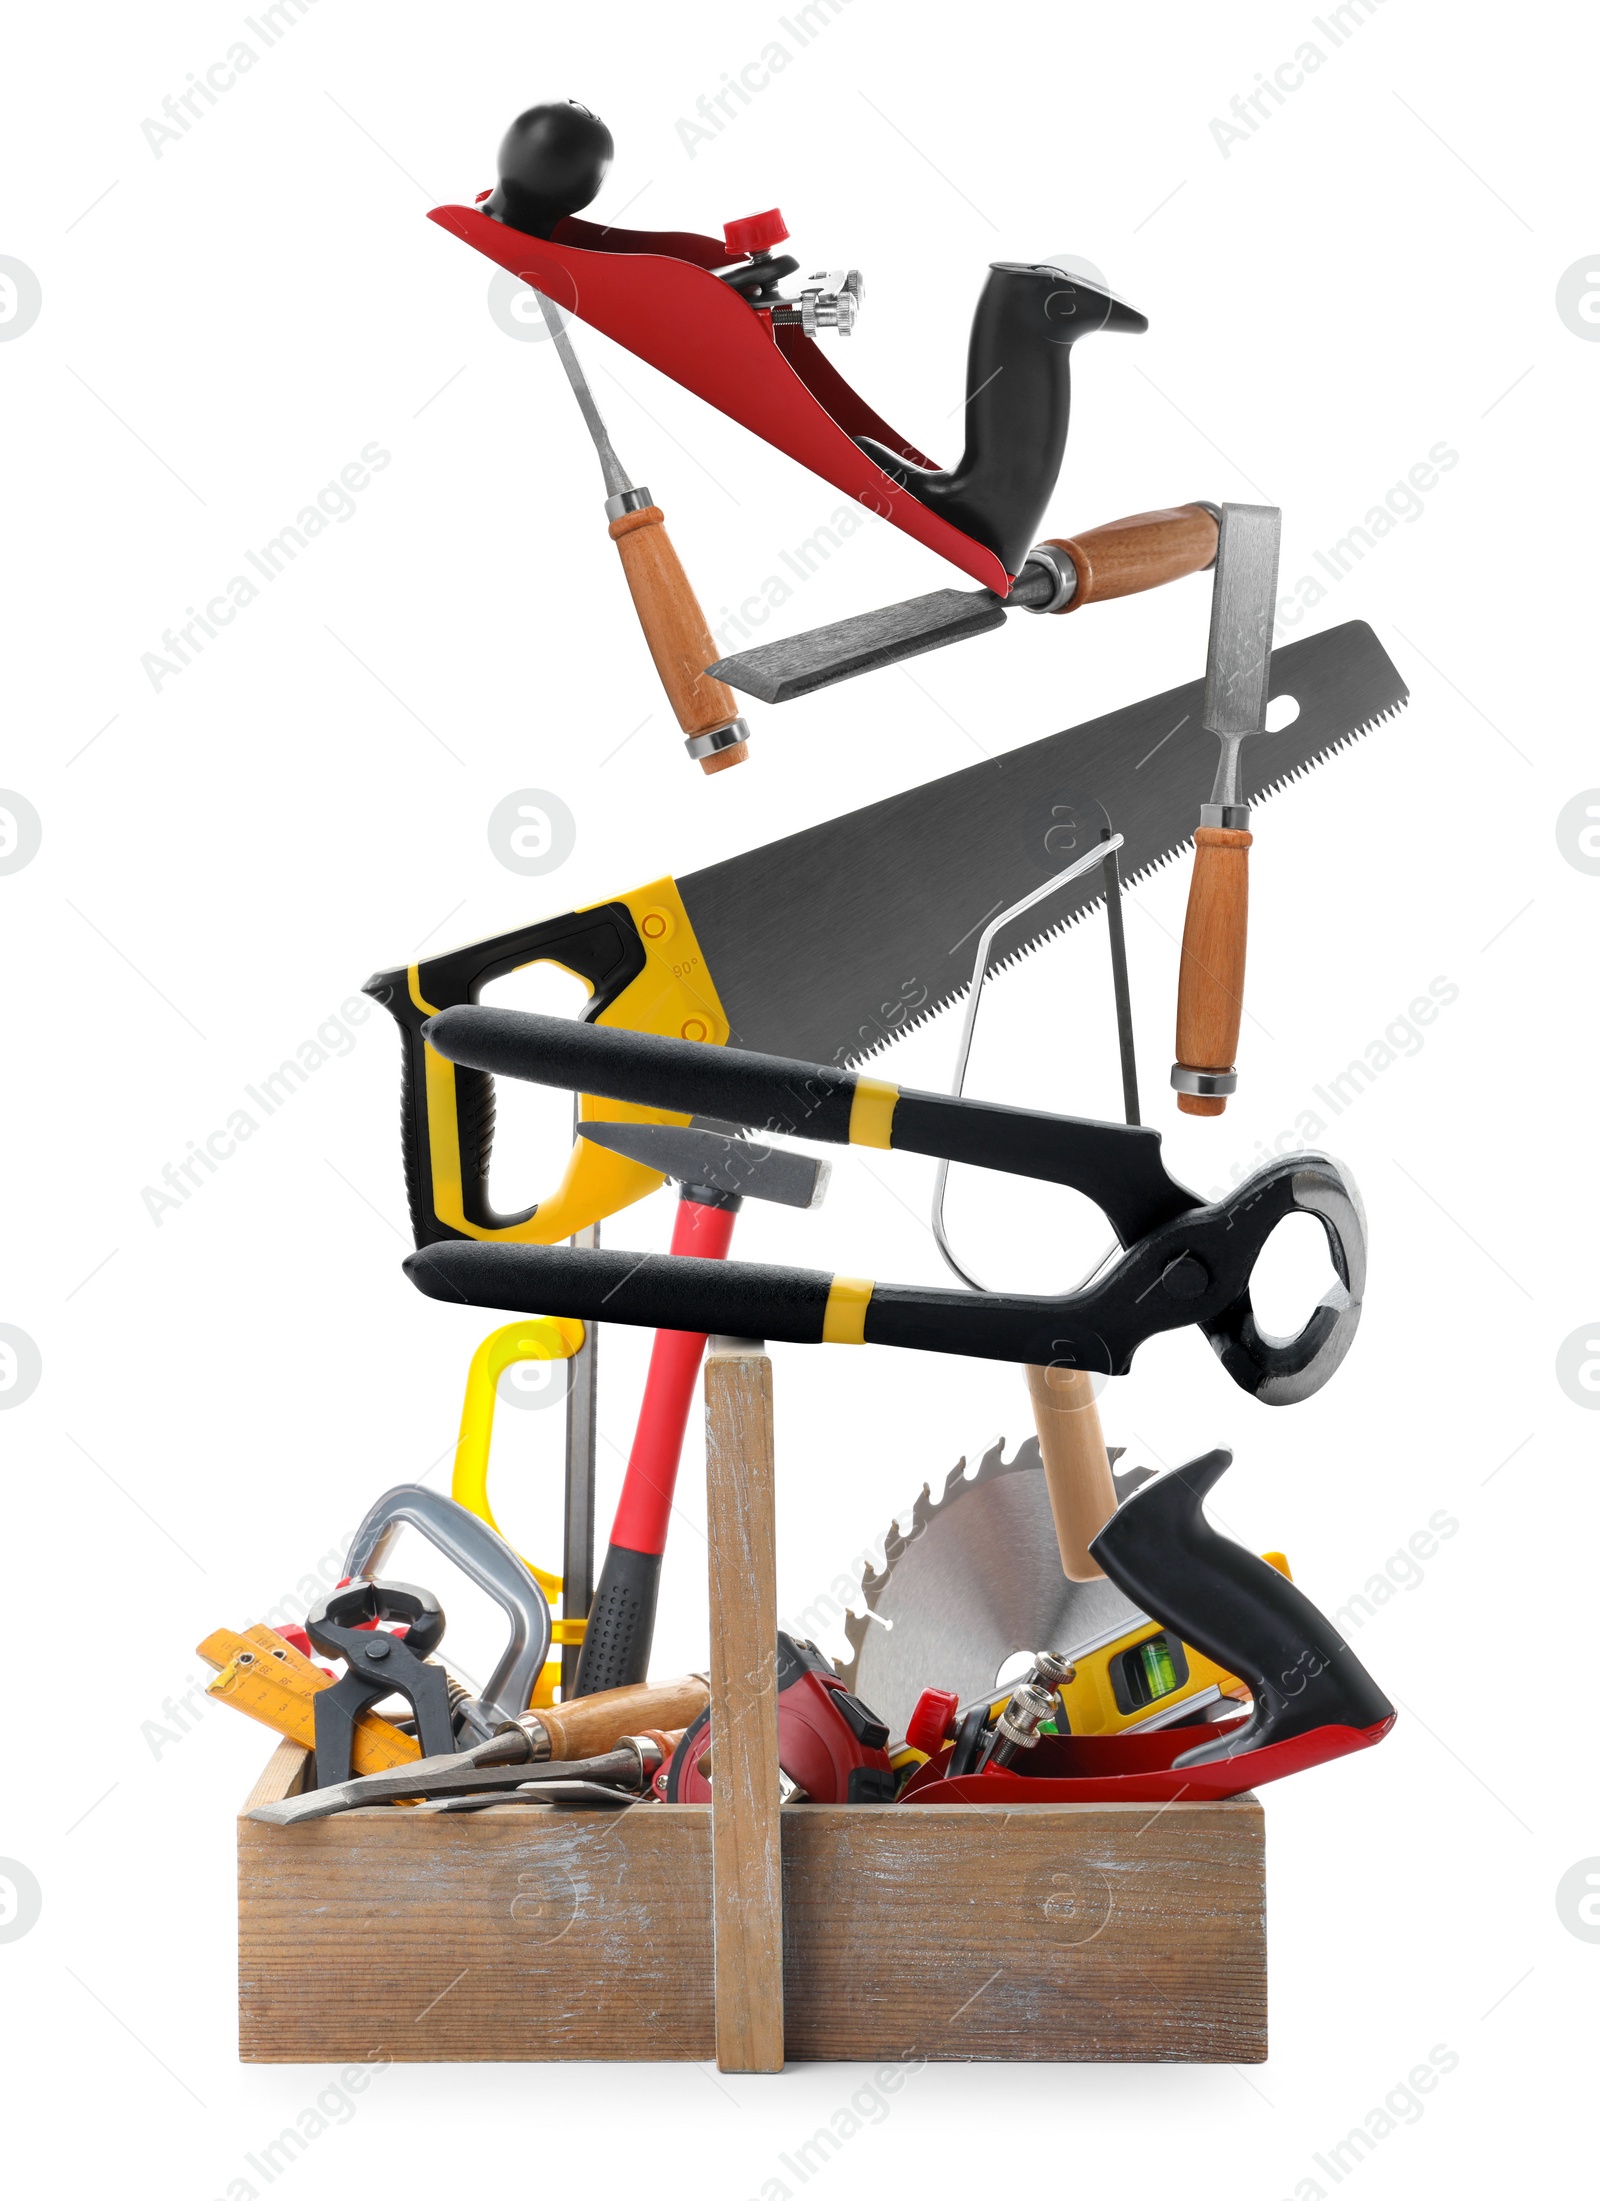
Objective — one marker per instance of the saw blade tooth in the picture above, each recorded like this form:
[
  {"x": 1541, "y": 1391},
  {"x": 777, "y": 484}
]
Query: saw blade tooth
[
  {"x": 1135, "y": 877},
  {"x": 1341, "y": 741},
  {"x": 926, "y": 1508}
]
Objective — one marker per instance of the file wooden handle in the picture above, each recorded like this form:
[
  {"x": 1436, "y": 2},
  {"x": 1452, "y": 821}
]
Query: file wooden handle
[
  {"x": 675, "y": 628},
  {"x": 588, "y": 1726},
  {"x": 1211, "y": 970},
  {"x": 1125, "y": 557}
]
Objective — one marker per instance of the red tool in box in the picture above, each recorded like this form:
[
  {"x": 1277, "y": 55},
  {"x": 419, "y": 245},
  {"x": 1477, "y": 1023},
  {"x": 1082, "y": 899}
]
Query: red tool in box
[
  {"x": 1311, "y": 1698},
  {"x": 715, "y": 1172}
]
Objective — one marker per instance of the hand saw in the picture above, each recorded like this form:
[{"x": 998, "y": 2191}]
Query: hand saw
[{"x": 829, "y": 944}]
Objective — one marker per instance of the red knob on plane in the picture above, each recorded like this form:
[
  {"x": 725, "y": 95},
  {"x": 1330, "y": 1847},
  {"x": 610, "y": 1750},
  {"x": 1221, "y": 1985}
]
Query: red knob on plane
[
  {"x": 755, "y": 232},
  {"x": 929, "y": 1724}
]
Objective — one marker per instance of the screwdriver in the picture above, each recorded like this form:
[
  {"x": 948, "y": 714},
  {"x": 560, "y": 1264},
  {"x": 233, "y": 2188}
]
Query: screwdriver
[{"x": 669, "y": 612}]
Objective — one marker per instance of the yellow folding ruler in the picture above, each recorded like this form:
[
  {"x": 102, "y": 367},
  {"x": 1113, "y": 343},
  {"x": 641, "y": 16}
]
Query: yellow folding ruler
[{"x": 268, "y": 1680}]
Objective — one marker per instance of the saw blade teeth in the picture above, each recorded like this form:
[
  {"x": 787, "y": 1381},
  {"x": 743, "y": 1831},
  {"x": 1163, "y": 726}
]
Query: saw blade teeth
[
  {"x": 927, "y": 1508},
  {"x": 1130, "y": 879}
]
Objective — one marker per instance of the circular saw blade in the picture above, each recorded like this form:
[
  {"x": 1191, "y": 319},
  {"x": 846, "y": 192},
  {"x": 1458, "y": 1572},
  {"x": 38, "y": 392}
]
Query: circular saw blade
[{"x": 976, "y": 1579}]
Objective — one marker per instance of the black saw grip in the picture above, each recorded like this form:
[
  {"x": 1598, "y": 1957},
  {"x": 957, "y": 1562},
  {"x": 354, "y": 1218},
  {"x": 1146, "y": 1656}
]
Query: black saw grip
[{"x": 601, "y": 945}]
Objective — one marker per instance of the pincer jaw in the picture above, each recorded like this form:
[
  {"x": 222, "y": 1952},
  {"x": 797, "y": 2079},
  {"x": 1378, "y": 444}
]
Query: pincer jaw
[{"x": 1283, "y": 1371}]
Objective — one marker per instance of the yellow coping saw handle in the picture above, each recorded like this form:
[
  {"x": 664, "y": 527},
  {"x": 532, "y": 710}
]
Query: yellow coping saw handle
[{"x": 540, "y": 1337}]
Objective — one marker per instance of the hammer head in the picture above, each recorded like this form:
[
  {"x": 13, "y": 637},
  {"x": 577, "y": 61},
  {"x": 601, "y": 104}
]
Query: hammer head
[{"x": 717, "y": 1160}]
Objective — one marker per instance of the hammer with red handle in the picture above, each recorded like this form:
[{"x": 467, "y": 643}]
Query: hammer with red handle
[{"x": 715, "y": 1172}]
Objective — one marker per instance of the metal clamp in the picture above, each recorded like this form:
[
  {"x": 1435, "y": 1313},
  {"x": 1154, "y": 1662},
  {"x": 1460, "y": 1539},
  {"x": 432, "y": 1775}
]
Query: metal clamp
[
  {"x": 483, "y": 1557},
  {"x": 628, "y": 500}
]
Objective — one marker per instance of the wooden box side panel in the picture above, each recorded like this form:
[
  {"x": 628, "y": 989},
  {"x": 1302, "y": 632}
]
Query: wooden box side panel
[
  {"x": 481, "y": 1937},
  {"x": 1104, "y": 1934},
  {"x": 1072, "y": 1933}
]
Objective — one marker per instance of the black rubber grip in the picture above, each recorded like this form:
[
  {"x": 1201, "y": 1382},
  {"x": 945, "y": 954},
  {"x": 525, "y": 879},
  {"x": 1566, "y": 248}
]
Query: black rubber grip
[
  {"x": 1162, "y": 1553},
  {"x": 655, "y": 1291},
  {"x": 1118, "y": 1165},
  {"x": 622, "y": 1622},
  {"x": 760, "y": 1092},
  {"x": 602, "y": 945},
  {"x": 1120, "y": 1168}
]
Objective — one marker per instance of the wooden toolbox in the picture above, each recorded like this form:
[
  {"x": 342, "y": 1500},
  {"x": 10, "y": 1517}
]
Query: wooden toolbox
[
  {"x": 1119, "y": 1933},
  {"x": 1126, "y": 1933}
]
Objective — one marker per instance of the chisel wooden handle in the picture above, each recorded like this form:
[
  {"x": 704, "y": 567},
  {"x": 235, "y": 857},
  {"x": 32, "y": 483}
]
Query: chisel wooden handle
[
  {"x": 1077, "y": 1472},
  {"x": 591, "y": 1725},
  {"x": 675, "y": 628},
  {"x": 1125, "y": 557},
  {"x": 1211, "y": 971}
]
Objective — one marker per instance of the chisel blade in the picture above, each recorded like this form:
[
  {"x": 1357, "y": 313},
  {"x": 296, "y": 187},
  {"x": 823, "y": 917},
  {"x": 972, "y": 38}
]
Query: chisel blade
[{"x": 778, "y": 672}]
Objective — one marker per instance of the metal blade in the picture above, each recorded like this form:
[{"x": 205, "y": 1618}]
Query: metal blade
[
  {"x": 616, "y": 474},
  {"x": 1239, "y": 653},
  {"x": 977, "y": 1579},
  {"x": 829, "y": 944},
  {"x": 777, "y": 672},
  {"x": 719, "y": 1162},
  {"x": 549, "y": 1795}
]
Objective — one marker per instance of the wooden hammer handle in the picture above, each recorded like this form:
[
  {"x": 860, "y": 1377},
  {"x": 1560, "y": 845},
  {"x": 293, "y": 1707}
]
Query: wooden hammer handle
[
  {"x": 1127, "y": 556},
  {"x": 675, "y": 628},
  {"x": 1211, "y": 971},
  {"x": 1077, "y": 1472}
]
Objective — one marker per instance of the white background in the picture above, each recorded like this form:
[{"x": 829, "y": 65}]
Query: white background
[{"x": 1370, "y": 273}]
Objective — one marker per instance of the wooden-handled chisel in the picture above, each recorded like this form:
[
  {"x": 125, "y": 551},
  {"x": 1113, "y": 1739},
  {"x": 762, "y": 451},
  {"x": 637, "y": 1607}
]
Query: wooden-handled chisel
[
  {"x": 1238, "y": 670},
  {"x": 1063, "y": 574},
  {"x": 669, "y": 612}
]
